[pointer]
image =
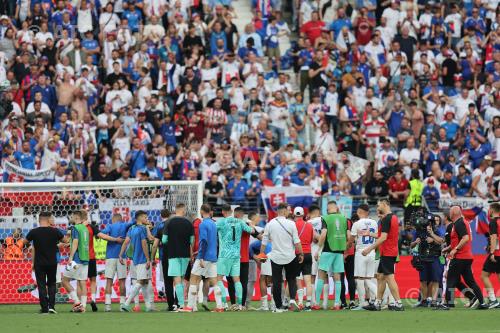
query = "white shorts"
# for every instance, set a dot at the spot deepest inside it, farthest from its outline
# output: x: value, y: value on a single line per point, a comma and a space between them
x: 314, y: 267
x: 133, y: 271
x: 113, y: 267
x: 265, y: 268
x: 252, y: 271
x: 364, y: 266
x: 142, y: 272
x: 209, y: 271
x: 79, y: 274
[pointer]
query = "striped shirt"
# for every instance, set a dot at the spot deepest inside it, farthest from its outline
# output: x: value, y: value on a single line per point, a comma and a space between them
x: 215, y: 120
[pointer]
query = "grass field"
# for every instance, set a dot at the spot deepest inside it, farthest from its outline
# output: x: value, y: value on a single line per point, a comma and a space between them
x: 23, y: 318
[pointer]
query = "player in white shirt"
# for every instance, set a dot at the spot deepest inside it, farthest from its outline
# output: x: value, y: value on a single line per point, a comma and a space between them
x: 314, y: 215
x: 365, y: 231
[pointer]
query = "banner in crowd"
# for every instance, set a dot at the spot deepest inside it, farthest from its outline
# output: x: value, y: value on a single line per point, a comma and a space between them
x: 293, y: 195
x: 16, y: 174
x: 127, y: 207
x: 17, y: 282
x: 464, y: 202
x: 343, y: 202
x: 357, y: 167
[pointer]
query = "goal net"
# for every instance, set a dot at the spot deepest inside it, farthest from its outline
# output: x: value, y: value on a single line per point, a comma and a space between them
x: 20, y: 204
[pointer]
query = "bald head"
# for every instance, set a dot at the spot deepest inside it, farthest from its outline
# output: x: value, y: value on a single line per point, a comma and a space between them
x: 455, y: 213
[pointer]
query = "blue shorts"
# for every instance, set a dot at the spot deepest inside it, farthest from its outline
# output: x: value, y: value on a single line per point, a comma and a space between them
x: 228, y: 266
x: 177, y: 266
x: 331, y: 262
x: 432, y: 271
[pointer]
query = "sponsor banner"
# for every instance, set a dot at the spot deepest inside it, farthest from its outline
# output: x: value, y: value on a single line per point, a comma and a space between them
x: 17, y: 282
x: 16, y: 174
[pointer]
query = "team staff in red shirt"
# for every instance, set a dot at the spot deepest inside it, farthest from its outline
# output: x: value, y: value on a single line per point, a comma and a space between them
x: 306, y: 235
x: 492, y: 263
x: 461, y: 258
x: 387, y: 243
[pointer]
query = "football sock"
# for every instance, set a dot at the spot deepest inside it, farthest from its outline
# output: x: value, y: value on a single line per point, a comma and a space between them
x: 491, y: 294
x: 218, y: 300
x: 326, y: 294
x: 179, y: 291
x: 360, y: 287
x: 84, y: 301
x: 338, y: 289
x: 107, y: 299
x: 74, y: 296
x: 133, y: 294
x: 238, y: 288
x: 192, y: 295
x: 319, y: 289
x: 222, y: 292
x: 371, y: 284
x: 300, y: 295
x: 122, y: 299
x: 264, y: 302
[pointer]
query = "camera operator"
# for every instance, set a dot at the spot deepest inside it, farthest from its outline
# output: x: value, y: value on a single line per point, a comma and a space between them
x: 428, y: 238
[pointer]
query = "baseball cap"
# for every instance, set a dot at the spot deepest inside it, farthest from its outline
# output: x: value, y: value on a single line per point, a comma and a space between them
x: 391, y: 158
x: 298, y: 211
x: 430, y: 181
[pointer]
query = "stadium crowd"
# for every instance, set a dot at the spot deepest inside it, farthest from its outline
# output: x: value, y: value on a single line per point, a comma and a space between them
x: 149, y: 90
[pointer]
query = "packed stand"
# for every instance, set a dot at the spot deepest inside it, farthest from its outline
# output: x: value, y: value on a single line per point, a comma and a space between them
x: 159, y: 90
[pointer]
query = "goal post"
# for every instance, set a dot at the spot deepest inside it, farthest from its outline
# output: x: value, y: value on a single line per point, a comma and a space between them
x: 20, y: 204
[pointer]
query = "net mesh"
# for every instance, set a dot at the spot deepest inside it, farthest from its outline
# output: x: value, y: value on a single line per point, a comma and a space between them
x: 21, y: 204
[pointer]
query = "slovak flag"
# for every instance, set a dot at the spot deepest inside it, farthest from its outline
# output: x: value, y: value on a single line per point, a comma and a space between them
x: 479, y: 215
x: 292, y: 195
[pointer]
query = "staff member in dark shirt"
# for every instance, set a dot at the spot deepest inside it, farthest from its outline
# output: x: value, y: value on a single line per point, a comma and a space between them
x: 387, y: 243
x: 492, y: 263
x: 461, y: 259
x: 178, y: 235
x: 45, y: 239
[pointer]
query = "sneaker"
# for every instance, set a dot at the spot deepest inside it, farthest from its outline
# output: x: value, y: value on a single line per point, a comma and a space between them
x: 491, y: 305
x: 263, y: 308
x: 352, y: 305
x: 75, y: 306
x: 218, y: 310
x: 357, y: 308
x: 136, y: 308
x: 421, y: 304
x: 483, y: 306
x: 391, y: 307
x: 441, y: 307
x: 93, y: 306
x: 336, y: 308
x: 205, y: 307
x: 172, y: 309
x: 52, y: 311
x: 80, y: 309
x: 372, y: 307
x: 315, y: 307
x: 294, y: 307
x: 307, y: 309
x: 301, y: 307
x: 278, y: 310
x: 344, y: 306
x: 125, y: 308
x: 107, y: 307
x: 398, y: 307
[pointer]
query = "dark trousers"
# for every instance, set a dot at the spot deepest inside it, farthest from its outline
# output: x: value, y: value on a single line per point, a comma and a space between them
x: 46, y: 282
x: 169, y: 284
x: 461, y: 268
x: 291, y: 278
x: 351, y: 283
x: 244, y: 283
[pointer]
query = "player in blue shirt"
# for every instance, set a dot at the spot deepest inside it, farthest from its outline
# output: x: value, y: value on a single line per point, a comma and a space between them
x: 117, y: 229
x: 138, y: 238
x: 265, y: 279
x: 206, y: 261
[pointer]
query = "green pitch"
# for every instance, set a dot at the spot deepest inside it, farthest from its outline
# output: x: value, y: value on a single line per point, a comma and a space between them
x: 23, y: 318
